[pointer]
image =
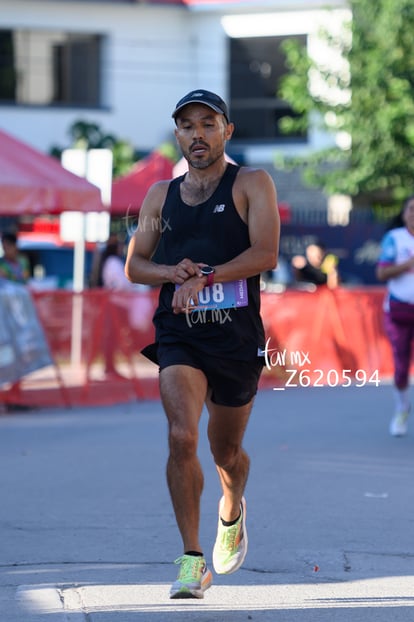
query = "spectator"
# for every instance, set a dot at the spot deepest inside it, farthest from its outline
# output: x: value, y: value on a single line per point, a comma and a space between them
x: 109, y: 273
x: 113, y: 266
x: 13, y: 265
x: 316, y: 266
x: 108, y: 266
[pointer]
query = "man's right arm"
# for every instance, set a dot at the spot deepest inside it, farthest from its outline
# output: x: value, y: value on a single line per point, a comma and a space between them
x: 139, y: 267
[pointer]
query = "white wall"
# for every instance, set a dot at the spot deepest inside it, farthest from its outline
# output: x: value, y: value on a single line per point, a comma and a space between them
x: 152, y: 57
x: 150, y: 62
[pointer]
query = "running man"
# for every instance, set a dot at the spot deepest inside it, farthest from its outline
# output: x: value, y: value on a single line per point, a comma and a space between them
x: 216, y: 229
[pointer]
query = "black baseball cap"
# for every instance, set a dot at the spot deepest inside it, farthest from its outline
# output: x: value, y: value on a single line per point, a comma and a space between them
x: 203, y: 97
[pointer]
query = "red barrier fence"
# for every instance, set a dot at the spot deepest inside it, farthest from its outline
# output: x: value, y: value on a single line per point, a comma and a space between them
x: 327, y: 335
x: 323, y: 337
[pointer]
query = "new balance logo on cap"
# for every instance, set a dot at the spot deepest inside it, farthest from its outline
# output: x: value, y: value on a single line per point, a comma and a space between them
x: 219, y: 208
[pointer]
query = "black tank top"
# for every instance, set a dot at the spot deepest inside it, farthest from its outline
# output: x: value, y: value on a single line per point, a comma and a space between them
x: 213, y: 233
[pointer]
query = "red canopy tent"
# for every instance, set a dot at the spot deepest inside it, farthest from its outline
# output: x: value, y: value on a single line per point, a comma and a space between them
x: 128, y: 192
x: 34, y: 183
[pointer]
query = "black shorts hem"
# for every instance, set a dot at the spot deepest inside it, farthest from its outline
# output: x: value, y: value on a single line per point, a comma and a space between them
x: 233, y: 383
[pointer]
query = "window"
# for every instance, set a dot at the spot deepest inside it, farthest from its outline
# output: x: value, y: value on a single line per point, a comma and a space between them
x: 49, y: 68
x: 256, y: 67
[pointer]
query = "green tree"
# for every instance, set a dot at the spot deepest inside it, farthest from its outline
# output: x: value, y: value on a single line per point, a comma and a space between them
x: 368, y: 97
x: 86, y: 135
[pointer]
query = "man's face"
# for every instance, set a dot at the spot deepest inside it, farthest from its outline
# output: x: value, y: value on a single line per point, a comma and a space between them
x: 201, y: 134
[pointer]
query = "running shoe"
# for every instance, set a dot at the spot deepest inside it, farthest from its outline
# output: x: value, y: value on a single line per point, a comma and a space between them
x: 398, y: 425
x: 231, y: 543
x: 193, y: 579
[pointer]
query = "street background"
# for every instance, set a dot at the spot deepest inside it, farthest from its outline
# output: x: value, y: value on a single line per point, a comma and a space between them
x: 88, y: 533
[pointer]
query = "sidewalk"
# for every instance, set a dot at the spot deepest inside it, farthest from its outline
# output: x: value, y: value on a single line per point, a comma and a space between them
x: 88, y: 534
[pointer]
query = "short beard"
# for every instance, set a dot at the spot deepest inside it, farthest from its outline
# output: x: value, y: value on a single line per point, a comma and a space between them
x: 203, y: 164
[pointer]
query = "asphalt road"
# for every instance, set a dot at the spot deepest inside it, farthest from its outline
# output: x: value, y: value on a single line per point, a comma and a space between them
x: 88, y: 535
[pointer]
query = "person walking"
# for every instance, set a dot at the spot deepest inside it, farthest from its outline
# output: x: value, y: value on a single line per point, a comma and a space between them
x: 396, y: 266
x: 217, y: 229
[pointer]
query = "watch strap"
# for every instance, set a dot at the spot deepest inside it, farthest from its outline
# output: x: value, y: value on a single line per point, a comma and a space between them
x: 210, y: 279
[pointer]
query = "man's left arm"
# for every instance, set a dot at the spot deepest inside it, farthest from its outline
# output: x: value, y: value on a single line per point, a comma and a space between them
x: 263, y: 221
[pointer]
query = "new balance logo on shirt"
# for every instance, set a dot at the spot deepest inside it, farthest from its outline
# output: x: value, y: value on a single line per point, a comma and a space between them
x: 219, y: 208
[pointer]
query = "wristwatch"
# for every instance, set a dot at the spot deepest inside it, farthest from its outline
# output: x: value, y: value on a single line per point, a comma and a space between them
x: 209, y: 272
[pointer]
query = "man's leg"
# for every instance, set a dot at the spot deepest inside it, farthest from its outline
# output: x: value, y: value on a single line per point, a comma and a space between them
x: 226, y: 430
x: 183, y: 391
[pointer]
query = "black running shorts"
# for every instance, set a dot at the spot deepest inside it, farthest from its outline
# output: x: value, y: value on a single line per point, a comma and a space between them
x: 232, y: 382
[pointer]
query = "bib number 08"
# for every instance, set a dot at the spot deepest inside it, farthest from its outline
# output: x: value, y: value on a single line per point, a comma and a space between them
x: 213, y: 293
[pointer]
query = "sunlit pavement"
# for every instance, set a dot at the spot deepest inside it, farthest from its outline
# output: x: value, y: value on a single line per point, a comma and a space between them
x: 88, y: 535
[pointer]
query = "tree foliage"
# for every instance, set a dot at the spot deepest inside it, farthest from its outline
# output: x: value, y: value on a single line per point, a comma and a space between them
x: 87, y: 135
x: 367, y: 97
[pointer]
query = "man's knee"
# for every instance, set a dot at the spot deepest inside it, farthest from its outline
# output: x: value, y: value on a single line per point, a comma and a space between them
x: 182, y: 442
x: 225, y: 456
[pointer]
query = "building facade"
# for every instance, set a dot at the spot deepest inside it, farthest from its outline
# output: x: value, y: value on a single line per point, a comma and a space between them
x: 124, y: 64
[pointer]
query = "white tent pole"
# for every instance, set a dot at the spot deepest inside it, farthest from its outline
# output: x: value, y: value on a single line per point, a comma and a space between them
x: 78, y: 287
x: 96, y: 166
x: 76, y: 160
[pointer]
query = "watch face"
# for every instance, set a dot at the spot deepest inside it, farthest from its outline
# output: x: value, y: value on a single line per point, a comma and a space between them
x: 207, y: 270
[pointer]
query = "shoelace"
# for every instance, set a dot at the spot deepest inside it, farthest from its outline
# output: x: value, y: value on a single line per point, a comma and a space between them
x: 190, y: 568
x: 229, y: 536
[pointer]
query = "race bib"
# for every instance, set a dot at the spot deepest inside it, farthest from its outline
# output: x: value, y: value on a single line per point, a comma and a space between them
x: 231, y: 295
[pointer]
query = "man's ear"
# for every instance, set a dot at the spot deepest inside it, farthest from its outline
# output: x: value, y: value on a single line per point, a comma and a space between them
x: 229, y: 130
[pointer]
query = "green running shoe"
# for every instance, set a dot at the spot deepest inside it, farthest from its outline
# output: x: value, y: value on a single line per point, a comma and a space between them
x: 193, y: 579
x: 231, y: 543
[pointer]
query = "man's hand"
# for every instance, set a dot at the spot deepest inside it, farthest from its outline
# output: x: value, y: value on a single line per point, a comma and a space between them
x: 184, y: 270
x: 185, y: 298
